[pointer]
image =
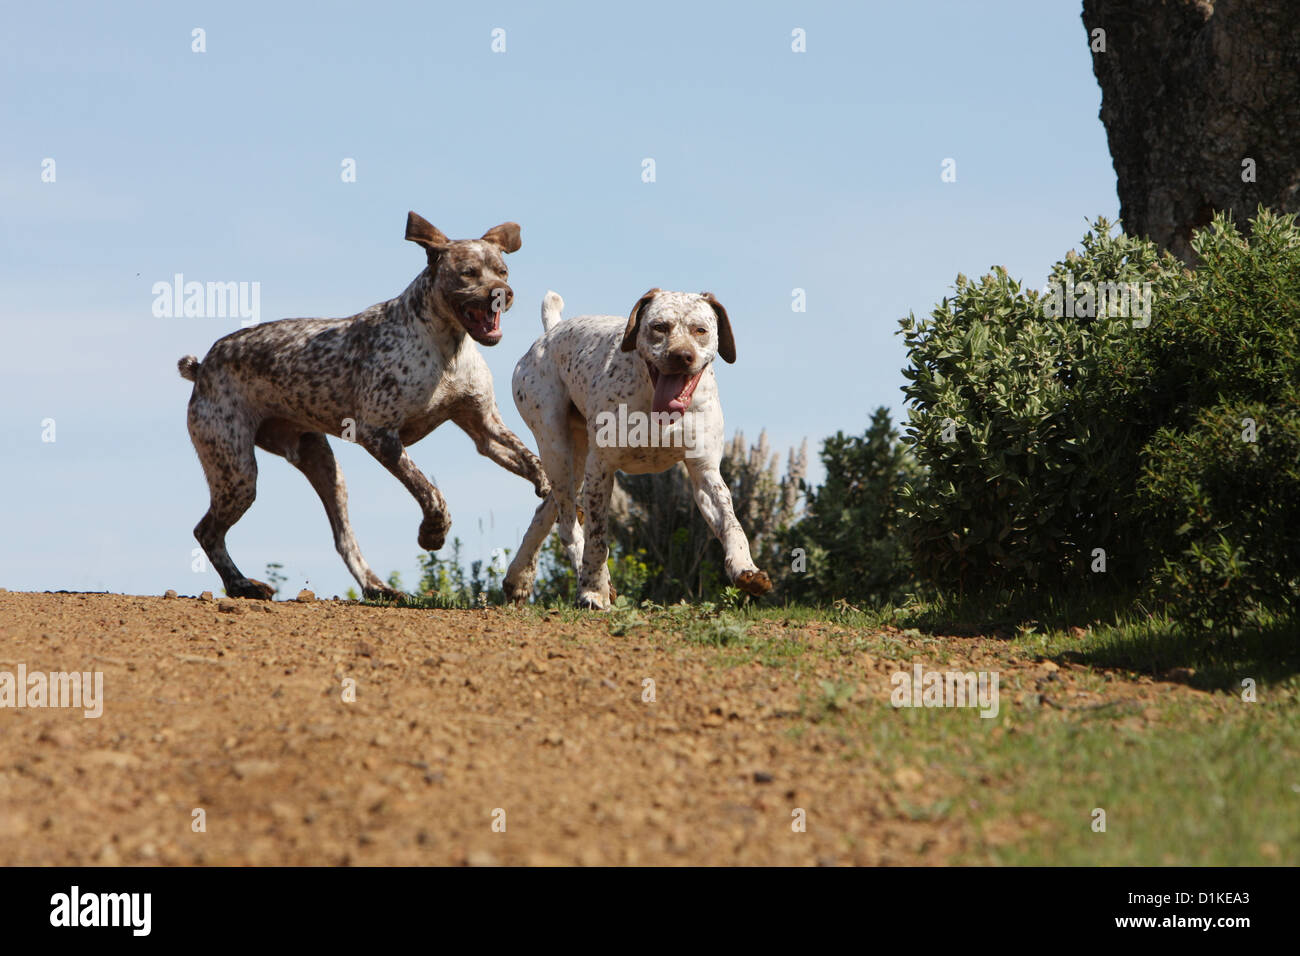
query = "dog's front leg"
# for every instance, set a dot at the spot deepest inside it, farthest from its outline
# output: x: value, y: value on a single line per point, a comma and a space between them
x: 387, y: 448
x: 713, y: 498
x: 593, y: 576
x: 495, y: 441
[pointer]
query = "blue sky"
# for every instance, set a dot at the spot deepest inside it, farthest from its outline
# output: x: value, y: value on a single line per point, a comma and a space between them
x: 775, y: 170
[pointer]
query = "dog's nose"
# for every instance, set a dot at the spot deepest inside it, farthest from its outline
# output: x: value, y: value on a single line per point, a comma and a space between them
x: 503, y: 296
x: 683, y: 357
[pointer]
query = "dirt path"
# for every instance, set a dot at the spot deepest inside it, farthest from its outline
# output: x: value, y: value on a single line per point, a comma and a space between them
x: 458, y: 715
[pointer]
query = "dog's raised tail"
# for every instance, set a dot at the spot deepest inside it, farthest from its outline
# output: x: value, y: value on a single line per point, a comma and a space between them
x: 189, y: 367
x: 552, y: 306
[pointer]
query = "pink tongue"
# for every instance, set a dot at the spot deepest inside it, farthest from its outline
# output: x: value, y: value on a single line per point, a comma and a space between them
x: 668, y: 392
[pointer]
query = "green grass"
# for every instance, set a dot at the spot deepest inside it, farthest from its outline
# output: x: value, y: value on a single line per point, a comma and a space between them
x: 1203, y: 781
x: 1198, y: 778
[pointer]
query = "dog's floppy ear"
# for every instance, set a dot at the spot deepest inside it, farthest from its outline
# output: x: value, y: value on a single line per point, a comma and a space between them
x: 419, y: 229
x: 506, y: 236
x: 726, y: 341
x: 634, y: 320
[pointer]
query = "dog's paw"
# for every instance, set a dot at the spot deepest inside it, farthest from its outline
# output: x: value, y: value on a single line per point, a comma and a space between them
x: 383, y: 592
x: 433, y: 532
x: 248, y: 588
x: 589, y: 602
x: 517, y: 593
x: 754, y: 582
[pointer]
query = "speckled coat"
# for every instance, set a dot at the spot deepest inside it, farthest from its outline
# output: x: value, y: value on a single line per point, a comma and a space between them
x: 657, y: 363
x: 383, y: 378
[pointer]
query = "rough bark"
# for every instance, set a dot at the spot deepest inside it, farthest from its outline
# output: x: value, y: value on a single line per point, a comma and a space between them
x: 1190, y: 90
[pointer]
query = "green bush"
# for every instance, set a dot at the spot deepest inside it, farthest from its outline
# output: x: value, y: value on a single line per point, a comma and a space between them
x: 1023, y: 481
x: 850, y: 537
x: 1230, y: 509
x: 1101, y: 430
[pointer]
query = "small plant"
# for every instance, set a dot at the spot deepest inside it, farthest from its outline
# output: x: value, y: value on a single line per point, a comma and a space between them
x: 275, y: 576
x: 849, y: 545
x: 722, y: 631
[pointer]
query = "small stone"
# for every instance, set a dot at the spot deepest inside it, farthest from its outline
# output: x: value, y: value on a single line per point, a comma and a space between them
x: 372, y: 796
x: 110, y: 758
x: 908, y: 777
x: 58, y: 737
x: 306, y: 596
x: 252, y: 769
x: 762, y: 776
x: 108, y: 855
x: 170, y: 593
x: 205, y: 596
x: 229, y: 607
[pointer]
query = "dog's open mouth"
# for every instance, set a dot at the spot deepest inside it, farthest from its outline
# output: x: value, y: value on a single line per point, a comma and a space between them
x: 482, y: 323
x: 672, y: 392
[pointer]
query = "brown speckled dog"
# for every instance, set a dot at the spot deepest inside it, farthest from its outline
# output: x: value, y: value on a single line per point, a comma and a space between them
x: 384, y: 378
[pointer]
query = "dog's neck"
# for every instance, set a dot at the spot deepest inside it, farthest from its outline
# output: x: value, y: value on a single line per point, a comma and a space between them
x: 420, y: 299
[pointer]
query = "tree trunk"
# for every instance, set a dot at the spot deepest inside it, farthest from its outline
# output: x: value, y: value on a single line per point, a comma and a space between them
x: 1192, y: 90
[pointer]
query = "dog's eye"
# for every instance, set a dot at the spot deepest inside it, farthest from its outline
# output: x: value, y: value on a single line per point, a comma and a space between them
x: 660, y: 327
x: 699, y: 330
x: 469, y: 271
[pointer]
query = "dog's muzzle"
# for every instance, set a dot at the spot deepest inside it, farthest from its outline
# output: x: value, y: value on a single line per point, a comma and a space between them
x: 481, y: 314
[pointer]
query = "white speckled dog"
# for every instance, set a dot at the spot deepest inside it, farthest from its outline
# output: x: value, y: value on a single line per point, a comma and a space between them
x: 653, y: 368
x: 384, y: 378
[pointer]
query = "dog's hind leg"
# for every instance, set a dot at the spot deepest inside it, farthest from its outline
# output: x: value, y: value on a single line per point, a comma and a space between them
x: 315, y: 459
x: 225, y: 448
x: 593, y: 573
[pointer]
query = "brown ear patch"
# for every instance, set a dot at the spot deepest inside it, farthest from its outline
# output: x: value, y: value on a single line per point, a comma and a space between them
x: 419, y: 229
x: 506, y: 236
x: 726, y: 341
x: 634, y: 320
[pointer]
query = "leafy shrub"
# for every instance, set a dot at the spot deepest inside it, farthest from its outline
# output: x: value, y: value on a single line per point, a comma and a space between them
x: 1022, y: 479
x: 1230, y: 508
x: 850, y: 533
x: 1101, y: 430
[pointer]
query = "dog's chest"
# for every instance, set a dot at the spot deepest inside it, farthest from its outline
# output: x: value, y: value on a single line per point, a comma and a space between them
x: 432, y: 389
